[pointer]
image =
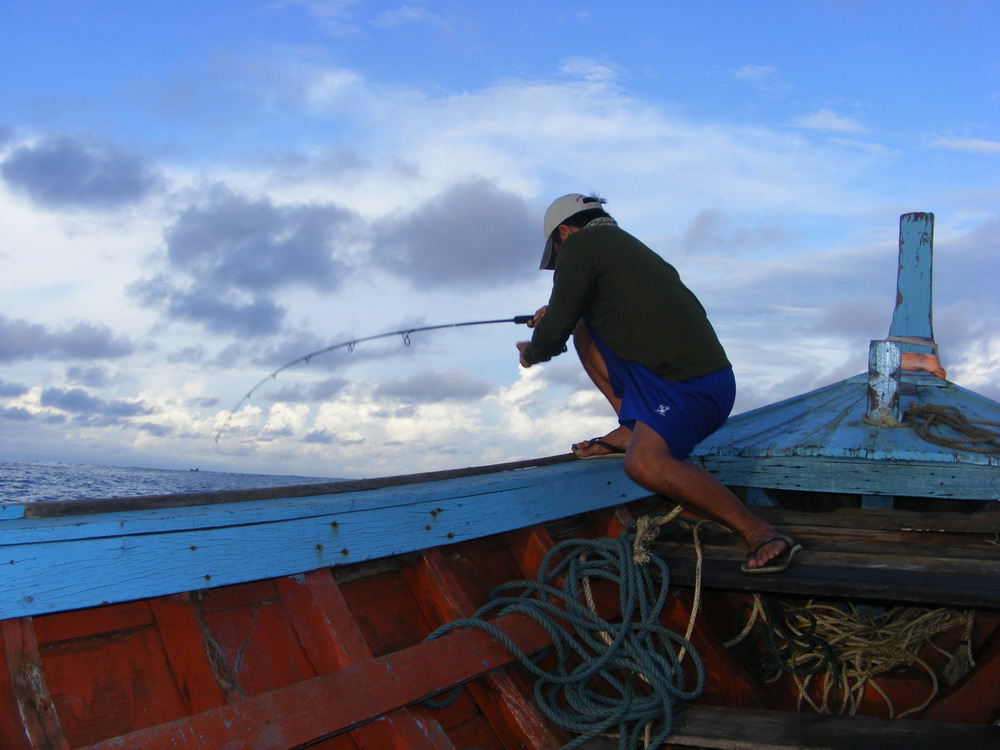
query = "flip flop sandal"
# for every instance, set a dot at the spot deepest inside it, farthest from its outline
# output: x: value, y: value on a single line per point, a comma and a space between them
x: 613, y: 450
x: 775, y: 564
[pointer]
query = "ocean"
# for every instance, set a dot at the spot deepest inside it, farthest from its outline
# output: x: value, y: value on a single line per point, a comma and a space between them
x: 38, y: 481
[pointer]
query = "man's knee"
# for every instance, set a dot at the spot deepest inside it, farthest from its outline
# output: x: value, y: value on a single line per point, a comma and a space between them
x: 647, y: 469
x: 648, y: 461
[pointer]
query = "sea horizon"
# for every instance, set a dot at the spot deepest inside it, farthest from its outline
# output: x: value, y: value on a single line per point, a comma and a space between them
x: 24, y: 481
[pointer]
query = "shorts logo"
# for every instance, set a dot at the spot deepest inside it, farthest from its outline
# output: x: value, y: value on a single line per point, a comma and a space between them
x: 662, y: 410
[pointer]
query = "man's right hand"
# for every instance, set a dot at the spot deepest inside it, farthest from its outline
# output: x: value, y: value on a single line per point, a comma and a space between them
x: 539, y: 314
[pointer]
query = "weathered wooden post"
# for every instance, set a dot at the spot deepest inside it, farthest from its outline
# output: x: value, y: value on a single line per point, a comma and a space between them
x: 884, y: 360
x: 912, y: 325
x: 910, y: 344
x: 913, y: 315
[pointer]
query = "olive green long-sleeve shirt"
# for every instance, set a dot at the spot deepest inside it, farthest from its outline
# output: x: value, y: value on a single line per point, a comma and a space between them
x: 633, y: 299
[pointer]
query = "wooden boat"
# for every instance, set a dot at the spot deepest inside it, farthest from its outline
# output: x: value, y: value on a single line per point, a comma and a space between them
x: 900, y: 435
x: 299, y: 616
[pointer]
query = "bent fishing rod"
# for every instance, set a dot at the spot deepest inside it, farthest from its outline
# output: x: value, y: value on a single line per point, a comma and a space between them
x: 349, y: 345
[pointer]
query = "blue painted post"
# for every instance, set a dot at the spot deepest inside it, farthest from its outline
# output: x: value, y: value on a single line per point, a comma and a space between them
x: 913, y: 316
x: 884, y: 362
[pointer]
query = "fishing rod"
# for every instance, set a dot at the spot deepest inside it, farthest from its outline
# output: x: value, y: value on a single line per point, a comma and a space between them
x: 349, y: 345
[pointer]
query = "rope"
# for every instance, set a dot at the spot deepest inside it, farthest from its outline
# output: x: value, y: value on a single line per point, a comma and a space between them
x: 648, y: 528
x: 964, y: 435
x: 847, y: 649
x: 622, y: 677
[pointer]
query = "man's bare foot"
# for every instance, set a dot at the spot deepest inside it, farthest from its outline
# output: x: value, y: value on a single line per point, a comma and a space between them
x: 612, y: 444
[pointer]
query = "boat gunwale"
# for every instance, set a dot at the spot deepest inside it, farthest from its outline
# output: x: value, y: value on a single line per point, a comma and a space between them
x: 58, y: 508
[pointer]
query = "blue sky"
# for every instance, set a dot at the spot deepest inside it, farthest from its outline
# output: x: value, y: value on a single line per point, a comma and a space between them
x: 195, y: 193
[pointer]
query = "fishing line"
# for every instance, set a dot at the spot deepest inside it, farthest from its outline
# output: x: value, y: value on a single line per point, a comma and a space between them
x: 349, y: 345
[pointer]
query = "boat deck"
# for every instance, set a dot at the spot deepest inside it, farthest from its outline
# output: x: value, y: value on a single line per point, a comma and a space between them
x: 334, y: 656
x: 944, y: 558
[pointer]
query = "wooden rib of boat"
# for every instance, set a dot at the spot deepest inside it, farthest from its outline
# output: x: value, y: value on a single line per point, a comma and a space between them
x: 299, y: 616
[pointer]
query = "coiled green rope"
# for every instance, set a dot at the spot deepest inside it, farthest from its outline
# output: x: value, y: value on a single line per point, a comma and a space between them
x: 623, y: 677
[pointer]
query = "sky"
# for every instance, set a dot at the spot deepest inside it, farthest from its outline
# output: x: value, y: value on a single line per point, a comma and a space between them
x: 193, y: 194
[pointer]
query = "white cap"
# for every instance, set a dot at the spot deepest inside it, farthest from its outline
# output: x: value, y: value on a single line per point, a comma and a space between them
x: 560, y: 210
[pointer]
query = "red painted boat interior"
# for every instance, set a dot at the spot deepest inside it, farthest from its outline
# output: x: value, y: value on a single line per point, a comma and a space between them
x: 336, y: 657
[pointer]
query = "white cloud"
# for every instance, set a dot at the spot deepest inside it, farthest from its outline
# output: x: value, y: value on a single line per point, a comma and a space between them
x: 589, y: 70
x: 755, y: 73
x: 776, y: 234
x: 827, y: 119
x: 336, y: 17
x: 970, y: 145
x: 409, y: 15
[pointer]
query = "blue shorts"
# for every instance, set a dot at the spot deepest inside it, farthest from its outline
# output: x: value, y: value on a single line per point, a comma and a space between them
x: 682, y: 412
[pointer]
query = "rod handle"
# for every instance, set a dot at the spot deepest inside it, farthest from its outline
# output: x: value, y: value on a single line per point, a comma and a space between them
x: 523, y: 319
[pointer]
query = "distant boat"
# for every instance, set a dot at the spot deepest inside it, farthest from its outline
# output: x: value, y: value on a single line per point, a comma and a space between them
x: 296, y: 616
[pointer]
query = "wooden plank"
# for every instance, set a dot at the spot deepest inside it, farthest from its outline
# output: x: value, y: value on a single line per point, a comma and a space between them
x: 13, y: 734
x: 256, y: 639
x: 110, y: 682
x: 69, y: 626
x: 612, y: 521
x: 332, y: 640
x: 892, y: 562
x: 158, y: 502
x: 926, y: 587
x: 913, y: 315
x: 759, y: 729
x: 582, y: 477
x: 303, y: 712
x: 412, y: 729
x: 36, y: 724
x: 326, y: 629
x: 183, y: 639
x: 512, y: 715
x: 117, y: 558
x: 985, y: 522
x: 839, y: 559
x: 904, y: 550
x: 529, y: 547
x: 873, y: 475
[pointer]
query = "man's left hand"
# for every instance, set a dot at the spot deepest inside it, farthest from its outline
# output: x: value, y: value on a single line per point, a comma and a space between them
x: 521, y: 346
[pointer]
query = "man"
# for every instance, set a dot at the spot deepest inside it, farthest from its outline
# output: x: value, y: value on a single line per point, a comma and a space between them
x: 645, y: 341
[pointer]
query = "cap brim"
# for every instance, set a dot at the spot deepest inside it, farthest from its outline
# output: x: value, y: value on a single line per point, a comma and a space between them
x: 548, y: 257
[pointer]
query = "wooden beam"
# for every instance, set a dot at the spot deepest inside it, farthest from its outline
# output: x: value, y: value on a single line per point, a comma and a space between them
x: 123, y: 556
x: 981, y: 522
x: 514, y: 718
x: 36, y: 725
x: 322, y: 620
x: 187, y: 652
x: 913, y: 315
x: 332, y: 640
x: 862, y: 554
x: 56, y: 508
x: 759, y: 729
x: 529, y: 547
x: 612, y: 521
x: 339, y: 701
x: 924, y: 586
